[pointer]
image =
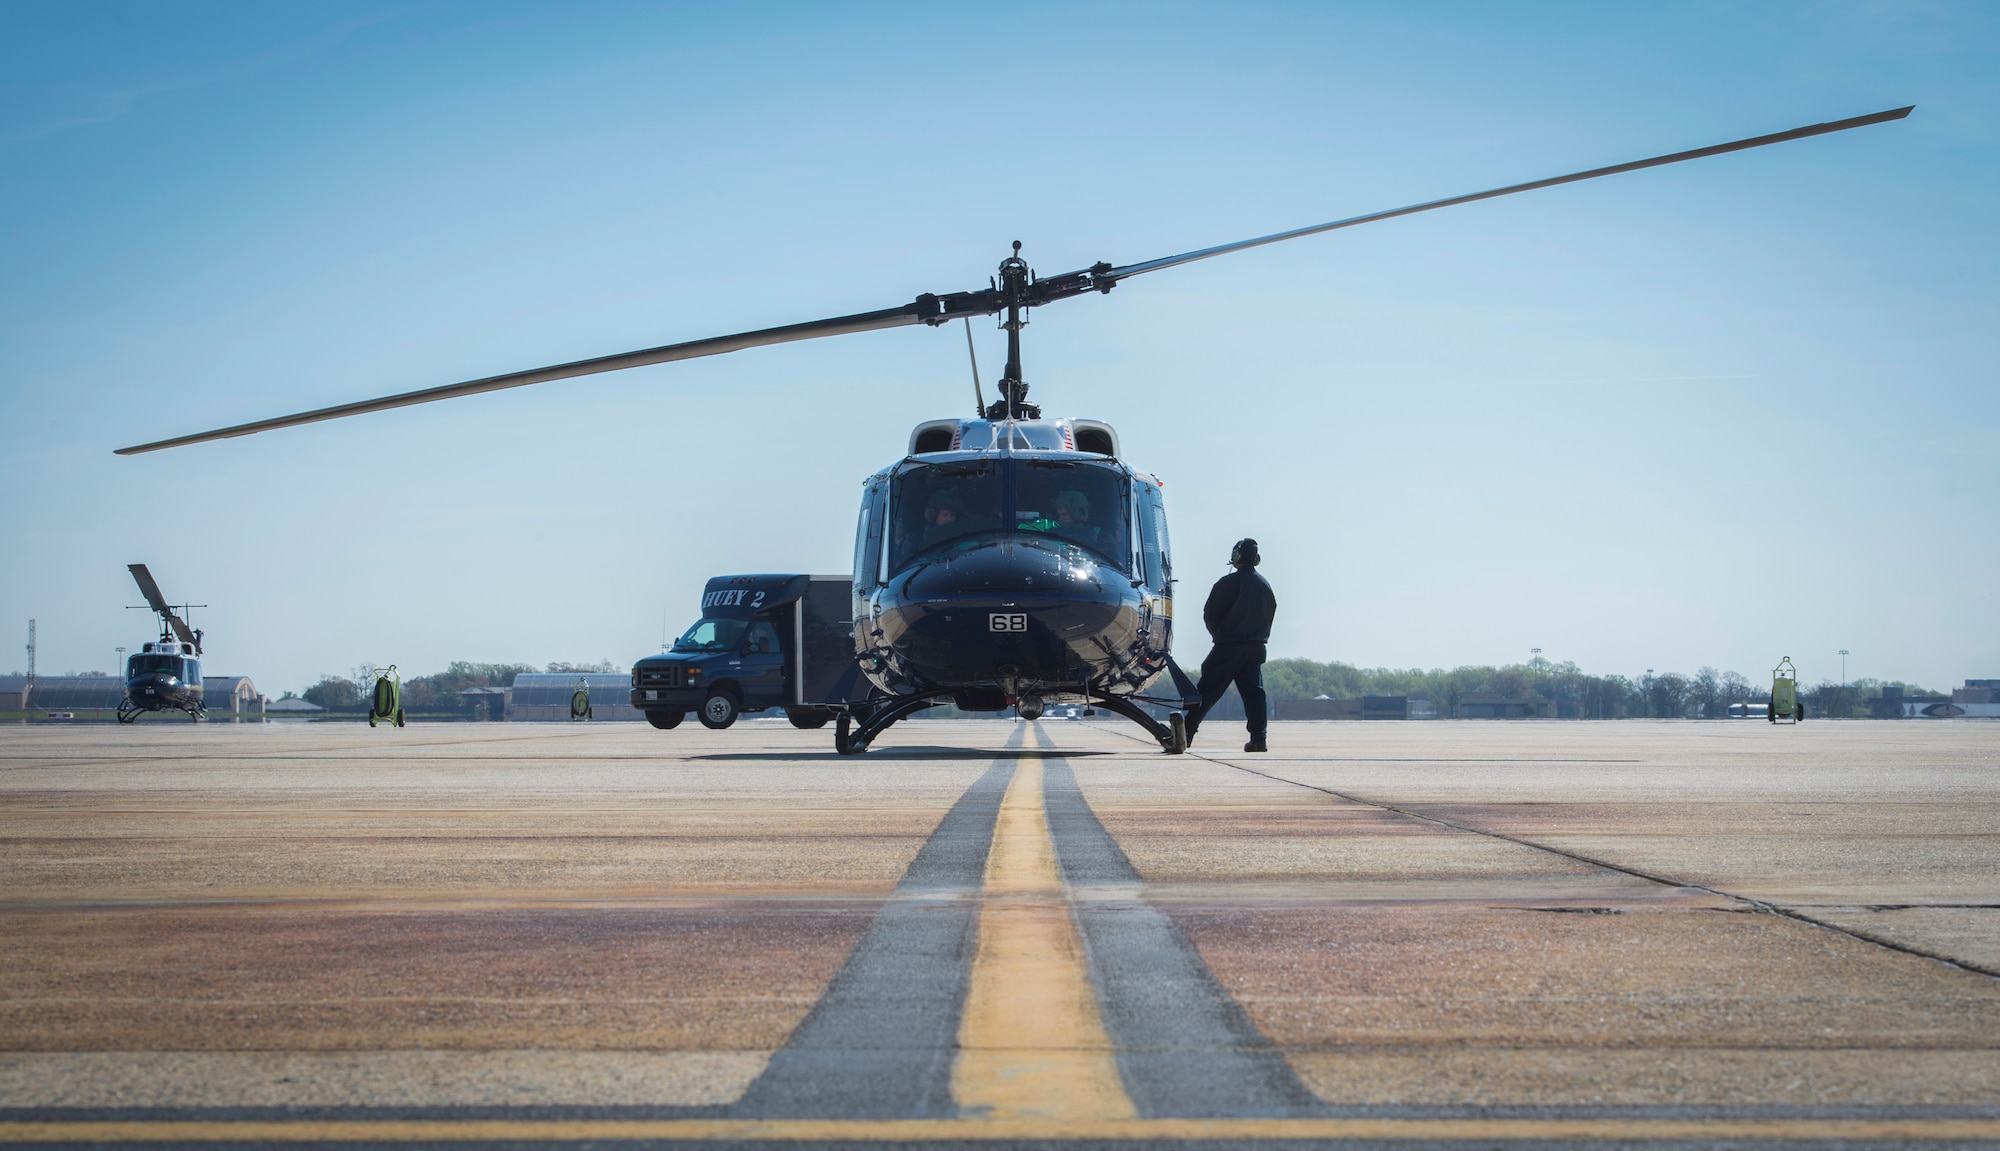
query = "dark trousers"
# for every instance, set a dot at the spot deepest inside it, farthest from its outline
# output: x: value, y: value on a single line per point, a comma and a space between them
x: 1243, y: 665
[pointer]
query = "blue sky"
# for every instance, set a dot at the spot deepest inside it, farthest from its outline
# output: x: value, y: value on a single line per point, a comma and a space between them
x: 1711, y: 414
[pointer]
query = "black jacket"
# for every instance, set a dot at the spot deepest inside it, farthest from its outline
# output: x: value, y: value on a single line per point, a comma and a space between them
x: 1240, y: 607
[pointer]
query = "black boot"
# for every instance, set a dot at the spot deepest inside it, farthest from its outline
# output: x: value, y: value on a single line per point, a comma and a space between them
x: 1256, y: 744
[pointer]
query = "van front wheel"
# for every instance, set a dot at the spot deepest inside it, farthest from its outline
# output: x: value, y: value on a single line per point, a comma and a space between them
x: 718, y: 710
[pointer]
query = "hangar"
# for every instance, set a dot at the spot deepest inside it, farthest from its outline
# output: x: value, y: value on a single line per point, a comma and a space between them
x: 98, y: 696
x: 544, y: 696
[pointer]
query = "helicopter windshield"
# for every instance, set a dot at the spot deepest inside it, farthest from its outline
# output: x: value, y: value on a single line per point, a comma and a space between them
x: 1077, y: 503
x: 711, y: 635
x: 1070, y: 501
x: 939, y: 504
x: 155, y: 665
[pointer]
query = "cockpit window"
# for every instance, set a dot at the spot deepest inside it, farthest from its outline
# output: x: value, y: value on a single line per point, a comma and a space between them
x: 711, y: 635
x: 155, y: 665
x: 937, y: 506
x: 940, y: 504
x: 1078, y: 503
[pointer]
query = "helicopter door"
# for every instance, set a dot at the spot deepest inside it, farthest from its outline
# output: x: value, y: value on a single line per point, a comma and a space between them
x: 1156, y: 554
x: 868, y: 541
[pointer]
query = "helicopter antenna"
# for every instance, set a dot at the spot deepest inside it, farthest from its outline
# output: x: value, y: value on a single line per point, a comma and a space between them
x: 1012, y: 294
x: 978, y: 396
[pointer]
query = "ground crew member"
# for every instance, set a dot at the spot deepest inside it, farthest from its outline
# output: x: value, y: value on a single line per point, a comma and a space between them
x: 1238, y: 615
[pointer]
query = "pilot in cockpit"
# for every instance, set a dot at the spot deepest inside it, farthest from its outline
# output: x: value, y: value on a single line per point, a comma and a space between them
x: 941, y: 515
x: 1072, y: 510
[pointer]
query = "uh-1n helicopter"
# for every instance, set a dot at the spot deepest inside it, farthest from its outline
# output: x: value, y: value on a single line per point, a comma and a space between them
x: 1006, y: 559
x: 165, y: 674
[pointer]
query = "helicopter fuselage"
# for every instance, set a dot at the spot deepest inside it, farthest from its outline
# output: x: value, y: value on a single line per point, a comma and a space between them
x: 1017, y: 576
x: 163, y: 676
x: 1009, y: 619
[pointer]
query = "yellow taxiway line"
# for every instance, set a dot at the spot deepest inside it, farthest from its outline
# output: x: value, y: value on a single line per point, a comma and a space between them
x: 919, y: 1130
x: 1031, y: 1044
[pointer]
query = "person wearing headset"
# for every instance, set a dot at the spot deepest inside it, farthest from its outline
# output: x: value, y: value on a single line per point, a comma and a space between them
x: 1239, y: 611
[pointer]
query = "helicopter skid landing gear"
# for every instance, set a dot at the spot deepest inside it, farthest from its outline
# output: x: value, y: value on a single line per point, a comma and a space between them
x: 1172, y: 735
x: 127, y: 712
x: 851, y: 740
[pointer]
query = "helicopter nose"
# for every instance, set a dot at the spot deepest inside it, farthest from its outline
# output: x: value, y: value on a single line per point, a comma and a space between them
x: 1017, y: 568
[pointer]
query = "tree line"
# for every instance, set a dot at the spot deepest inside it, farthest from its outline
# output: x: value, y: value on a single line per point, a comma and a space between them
x: 1706, y: 694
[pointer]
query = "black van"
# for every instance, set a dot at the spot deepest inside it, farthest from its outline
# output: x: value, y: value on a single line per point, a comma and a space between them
x: 762, y: 641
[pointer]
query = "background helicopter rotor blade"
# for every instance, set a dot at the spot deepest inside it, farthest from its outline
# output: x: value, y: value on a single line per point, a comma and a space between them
x: 1102, y: 280
x: 158, y: 602
x: 149, y: 589
x: 922, y: 310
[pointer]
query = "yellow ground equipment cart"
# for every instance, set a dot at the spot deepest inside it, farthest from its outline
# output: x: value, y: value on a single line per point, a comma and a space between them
x: 1785, y: 699
x: 579, y: 701
x: 386, y: 701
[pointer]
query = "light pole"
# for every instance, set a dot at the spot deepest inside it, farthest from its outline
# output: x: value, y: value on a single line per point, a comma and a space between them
x: 1843, y: 669
x: 120, y: 665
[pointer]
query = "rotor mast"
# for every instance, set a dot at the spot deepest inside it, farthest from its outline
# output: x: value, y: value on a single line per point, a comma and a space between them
x: 1013, y: 283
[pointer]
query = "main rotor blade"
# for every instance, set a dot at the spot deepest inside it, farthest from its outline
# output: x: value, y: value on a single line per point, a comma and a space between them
x: 149, y: 589
x: 181, y: 629
x: 934, y: 310
x: 1102, y: 281
x: 914, y: 313
x: 158, y: 602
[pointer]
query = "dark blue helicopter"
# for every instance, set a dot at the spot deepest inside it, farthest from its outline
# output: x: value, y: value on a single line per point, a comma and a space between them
x: 1006, y: 559
x: 1012, y: 561
x: 164, y: 675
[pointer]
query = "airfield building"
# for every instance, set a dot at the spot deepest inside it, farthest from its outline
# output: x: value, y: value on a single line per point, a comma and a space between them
x: 541, y: 696
x: 86, y: 696
x: 98, y: 696
x: 1497, y: 705
x: 233, y: 696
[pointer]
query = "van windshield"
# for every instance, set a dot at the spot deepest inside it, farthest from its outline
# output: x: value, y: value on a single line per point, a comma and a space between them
x: 711, y: 635
x: 935, y: 507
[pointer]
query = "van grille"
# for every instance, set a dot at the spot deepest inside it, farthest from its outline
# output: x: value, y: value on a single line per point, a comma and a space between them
x: 668, y: 676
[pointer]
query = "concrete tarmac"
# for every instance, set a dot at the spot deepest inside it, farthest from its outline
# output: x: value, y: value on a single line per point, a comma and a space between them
x: 1444, y: 933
